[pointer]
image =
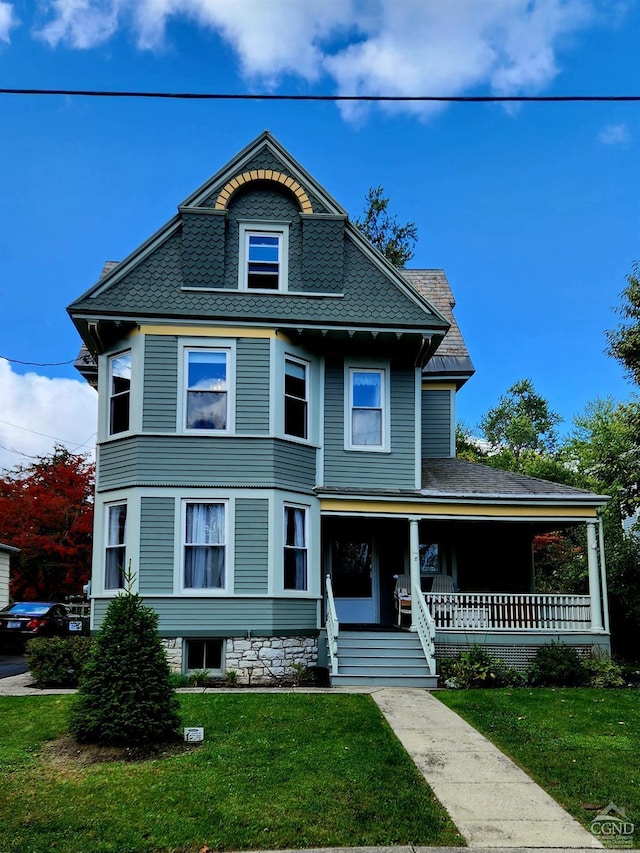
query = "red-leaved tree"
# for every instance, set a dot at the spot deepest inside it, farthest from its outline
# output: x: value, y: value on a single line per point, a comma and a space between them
x: 46, y: 510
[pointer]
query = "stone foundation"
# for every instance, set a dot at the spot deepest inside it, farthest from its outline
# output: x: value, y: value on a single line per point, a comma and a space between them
x: 259, y: 660
x: 265, y: 660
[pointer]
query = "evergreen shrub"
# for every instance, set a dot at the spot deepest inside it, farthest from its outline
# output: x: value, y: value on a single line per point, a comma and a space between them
x: 125, y: 695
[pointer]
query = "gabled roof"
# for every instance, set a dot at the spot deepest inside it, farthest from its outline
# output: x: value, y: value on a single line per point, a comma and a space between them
x: 149, y: 283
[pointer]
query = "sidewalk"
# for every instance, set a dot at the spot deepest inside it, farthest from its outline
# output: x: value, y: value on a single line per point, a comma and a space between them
x: 493, y: 803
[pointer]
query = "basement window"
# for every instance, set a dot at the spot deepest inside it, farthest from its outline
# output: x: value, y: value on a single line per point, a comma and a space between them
x: 204, y: 655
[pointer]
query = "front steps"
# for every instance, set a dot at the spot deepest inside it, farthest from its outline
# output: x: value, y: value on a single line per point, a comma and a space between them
x: 384, y: 659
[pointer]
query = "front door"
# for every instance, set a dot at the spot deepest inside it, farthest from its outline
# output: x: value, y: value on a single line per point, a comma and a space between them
x: 354, y: 579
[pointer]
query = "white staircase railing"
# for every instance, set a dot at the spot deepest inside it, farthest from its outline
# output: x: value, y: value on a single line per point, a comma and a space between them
x: 333, y: 627
x: 425, y: 627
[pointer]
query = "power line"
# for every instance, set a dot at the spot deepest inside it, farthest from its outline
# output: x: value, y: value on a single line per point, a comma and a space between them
x: 38, y: 363
x: 246, y: 96
x: 43, y: 434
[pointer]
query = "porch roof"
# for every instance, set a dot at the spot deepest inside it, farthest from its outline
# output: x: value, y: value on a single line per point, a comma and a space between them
x: 458, y: 478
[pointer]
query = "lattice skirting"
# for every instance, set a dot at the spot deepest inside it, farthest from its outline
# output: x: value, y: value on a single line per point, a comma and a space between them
x: 518, y: 657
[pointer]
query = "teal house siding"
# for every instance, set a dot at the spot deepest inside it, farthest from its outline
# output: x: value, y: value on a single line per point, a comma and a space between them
x: 358, y: 468
x: 227, y: 617
x: 187, y: 460
x: 252, y: 385
x: 436, y: 424
x: 252, y: 546
x: 157, y: 517
x: 160, y: 392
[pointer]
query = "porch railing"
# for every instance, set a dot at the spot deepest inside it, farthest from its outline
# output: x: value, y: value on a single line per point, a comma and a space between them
x: 426, y: 628
x: 333, y: 627
x: 509, y: 612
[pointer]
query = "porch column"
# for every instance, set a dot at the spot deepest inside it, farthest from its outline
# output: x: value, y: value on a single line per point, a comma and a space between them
x: 603, y: 576
x: 414, y: 567
x: 594, y: 578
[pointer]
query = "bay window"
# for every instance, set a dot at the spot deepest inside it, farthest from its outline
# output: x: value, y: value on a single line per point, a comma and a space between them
x: 115, y: 551
x: 207, y: 389
x: 204, y: 546
x: 295, y: 548
x: 119, y: 392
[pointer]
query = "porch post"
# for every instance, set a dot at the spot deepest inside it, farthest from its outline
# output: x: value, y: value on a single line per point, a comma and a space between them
x: 594, y: 578
x: 414, y: 565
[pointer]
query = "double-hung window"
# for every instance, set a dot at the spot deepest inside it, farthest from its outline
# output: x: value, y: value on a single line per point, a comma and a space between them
x: 295, y: 398
x: 207, y: 389
x: 295, y: 548
x: 366, y: 408
x: 119, y: 392
x: 205, y: 546
x: 263, y: 256
x: 116, y: 549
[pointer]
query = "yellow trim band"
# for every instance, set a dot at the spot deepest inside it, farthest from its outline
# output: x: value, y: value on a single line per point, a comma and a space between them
x: 462, y: 510
x: 209, y: 331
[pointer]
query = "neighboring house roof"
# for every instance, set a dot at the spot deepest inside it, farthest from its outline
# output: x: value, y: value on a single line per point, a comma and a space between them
x: 451, y: 359
x: 459, y: 478
x: 10, y: 548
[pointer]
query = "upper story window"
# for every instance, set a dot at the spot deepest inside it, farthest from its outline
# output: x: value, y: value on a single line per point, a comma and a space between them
x: 119, y: 392
x: 296, y: 390
x: 116, y: 549
x: 207, y: 389
x: 367, y: 416
x: 205, y: 546
x: 263, y: 253
x: 295, y: 548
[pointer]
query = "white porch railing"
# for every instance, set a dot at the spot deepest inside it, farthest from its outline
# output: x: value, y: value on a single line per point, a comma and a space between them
x: 509, y: 612
x: 333, y: 627
x: 426, y: 628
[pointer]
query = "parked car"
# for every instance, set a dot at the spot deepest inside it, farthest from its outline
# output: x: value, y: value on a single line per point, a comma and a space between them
x: 23, y: 620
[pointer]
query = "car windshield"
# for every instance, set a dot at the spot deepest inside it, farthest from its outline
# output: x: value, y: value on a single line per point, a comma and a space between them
x: 29, y: 608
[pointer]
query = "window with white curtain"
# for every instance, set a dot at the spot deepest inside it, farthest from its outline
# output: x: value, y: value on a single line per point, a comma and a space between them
x: 116, y: 548
x: 295, y: 548
x: 204, y: 546
x: 366, y: 408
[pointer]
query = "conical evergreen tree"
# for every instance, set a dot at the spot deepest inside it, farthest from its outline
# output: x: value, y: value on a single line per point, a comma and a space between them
x: 125, y: 695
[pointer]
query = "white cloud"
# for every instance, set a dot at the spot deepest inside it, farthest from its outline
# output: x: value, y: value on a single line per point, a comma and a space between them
x: 614, y: 134
x: 8, y: 20
x: 61, y: 409
x: 368, y: 47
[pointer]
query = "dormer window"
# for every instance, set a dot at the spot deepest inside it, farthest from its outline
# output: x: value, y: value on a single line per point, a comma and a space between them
x: 264, y: 257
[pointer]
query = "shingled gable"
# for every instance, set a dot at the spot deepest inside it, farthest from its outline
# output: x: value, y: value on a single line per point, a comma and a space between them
x: 170, y: 275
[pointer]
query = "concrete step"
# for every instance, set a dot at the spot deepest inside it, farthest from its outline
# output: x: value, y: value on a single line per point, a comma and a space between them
x: 429, y: 682
x: 380, y: 651
x: 364, y: 659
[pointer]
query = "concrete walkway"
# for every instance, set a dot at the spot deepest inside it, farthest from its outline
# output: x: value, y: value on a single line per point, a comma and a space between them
x: 493, y: 803
x: 491, y: 800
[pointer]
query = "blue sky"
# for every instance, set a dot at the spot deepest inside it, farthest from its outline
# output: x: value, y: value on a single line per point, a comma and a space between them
x: 533, y: 211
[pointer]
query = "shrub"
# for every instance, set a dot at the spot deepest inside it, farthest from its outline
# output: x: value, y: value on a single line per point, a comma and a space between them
x: 601, y: 670
x: 125, y: 695
x: 557, y: 665
x: 474, y: 668
x: 57, y: 661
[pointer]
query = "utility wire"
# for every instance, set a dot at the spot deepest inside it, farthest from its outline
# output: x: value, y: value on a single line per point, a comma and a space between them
x: 38, y: 363
x: 245, y: 96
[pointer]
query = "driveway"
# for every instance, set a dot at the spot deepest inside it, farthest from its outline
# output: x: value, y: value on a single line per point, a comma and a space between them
x: 11, y: 665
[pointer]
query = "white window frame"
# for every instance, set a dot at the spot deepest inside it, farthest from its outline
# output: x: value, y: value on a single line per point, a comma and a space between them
x: 111, y: 396
x: 305, y: 509
x: 212, y: 670
x: 307, y: 378
x: 188, y: 348
x: 383, y: 372
x: 211, y: 590
x: 109, y: 546
x: 268, y: 229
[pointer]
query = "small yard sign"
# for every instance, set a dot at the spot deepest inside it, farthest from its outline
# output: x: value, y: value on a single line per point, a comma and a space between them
x: 194, y: 735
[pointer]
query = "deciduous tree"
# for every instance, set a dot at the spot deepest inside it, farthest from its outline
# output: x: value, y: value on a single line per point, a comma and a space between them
x: 46, y: 510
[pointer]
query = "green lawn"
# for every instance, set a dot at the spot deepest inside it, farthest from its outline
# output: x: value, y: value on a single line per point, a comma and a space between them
x: 292, y: 770
x: 580, y: 745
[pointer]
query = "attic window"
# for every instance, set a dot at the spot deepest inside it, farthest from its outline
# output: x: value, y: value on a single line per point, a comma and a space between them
x: 265, y: 258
